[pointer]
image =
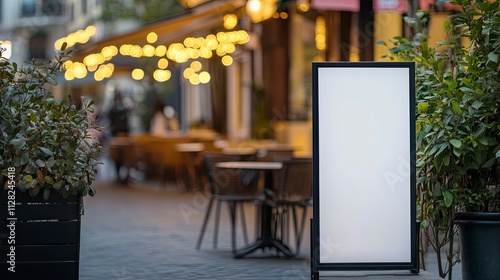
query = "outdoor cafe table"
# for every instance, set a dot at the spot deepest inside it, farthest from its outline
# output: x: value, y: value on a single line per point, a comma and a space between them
x: 266, y: 238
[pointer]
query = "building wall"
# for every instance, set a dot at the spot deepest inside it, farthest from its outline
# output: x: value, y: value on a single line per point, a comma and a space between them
x: 386, y: 26
x: 20, y: 30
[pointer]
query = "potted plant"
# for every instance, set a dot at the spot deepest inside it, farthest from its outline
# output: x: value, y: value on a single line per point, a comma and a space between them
x: 458, y: 135
x: 48, y: 160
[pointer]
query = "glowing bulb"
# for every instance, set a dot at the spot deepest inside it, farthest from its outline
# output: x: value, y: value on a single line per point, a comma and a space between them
x: 205, y: 52
x: 162, y: 75
x: 125, y: 49
x: 68, y: 64
x: 137, y: 74
x: 148, y: 50
x: 163, y: 63
x: 136, y: 51
x: 188, y: 72
x: 230, y: 21
x: 69, y: 75
x: 161, y: 50
x: 91, y: 68
x: 107, y: 52
x: 204, y: 77
x: 227, y: 60
x: 254, y: 5
x: 152, y: 37
x: 90, y: 30
x: 80, y: 36
x: 194, y: 79
x: 79, y: 70
x: 221, y: 37
x: 196, y: 65
x: 71, y: 40
x: 98, y: 76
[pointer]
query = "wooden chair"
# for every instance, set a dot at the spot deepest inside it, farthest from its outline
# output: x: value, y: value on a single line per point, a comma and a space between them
x: 231, y: 186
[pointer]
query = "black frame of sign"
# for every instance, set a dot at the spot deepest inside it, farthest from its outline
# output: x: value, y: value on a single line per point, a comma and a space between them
x: 316, y: 264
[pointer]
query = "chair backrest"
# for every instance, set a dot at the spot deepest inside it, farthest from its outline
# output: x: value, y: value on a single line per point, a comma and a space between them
x: 294, y: 181
x: 225, y: 181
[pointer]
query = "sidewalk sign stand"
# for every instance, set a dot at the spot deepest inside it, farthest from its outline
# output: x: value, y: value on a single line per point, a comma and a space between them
x: 364, y: 177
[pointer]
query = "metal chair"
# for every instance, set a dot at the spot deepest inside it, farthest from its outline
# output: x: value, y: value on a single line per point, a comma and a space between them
x: 293, y: 190
x: 235, y: 187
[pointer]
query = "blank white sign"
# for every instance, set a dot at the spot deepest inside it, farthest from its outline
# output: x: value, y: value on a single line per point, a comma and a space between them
x: 364, y: 164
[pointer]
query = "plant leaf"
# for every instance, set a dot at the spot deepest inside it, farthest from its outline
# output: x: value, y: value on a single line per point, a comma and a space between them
x: 446, y: 159
x: 18, y: 142
x: 46, y: 151
x: 456, y: 143
x: 489, y: 163
x: 448, y: 198
x: 493, y: 57
x: 477, y: 104
x: 424, y: 224
x: 25, y: 158
x: 467, y: 89
x: 28, y: 178
x: 33, y: 117
x: 483, y: 140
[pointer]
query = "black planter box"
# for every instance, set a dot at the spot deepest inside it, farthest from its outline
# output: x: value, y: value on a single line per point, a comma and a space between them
x: 46, y: 236
x: 480, y: 242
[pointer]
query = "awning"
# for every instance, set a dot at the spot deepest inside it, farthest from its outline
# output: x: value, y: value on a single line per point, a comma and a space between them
x: 336, y: 5
x: 204, y: 17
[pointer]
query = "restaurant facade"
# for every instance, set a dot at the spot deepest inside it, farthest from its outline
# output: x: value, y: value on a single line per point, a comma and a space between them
x: 215, y: 64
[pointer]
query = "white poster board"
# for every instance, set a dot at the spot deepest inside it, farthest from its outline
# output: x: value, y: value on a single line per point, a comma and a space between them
x: 364, y: 165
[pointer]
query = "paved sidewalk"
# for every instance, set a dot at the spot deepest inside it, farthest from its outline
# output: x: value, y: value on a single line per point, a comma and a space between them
x: 148, y: 232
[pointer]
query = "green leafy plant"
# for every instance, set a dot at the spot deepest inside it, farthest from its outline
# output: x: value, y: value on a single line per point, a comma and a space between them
x: 458, y: 120
x: 45, y: 144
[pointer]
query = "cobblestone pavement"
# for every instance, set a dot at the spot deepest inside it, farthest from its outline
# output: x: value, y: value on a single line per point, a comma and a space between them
x: 145, y: 231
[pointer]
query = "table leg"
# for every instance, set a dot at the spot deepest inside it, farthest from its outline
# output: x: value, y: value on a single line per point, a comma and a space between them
x: 266, y: 239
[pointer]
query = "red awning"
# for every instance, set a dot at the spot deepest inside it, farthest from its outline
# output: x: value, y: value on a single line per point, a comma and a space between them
x: 336, y: 5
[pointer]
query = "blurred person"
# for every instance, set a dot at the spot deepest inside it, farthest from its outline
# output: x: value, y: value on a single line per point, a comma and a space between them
x: 159, y: 122
x: 118, y: 118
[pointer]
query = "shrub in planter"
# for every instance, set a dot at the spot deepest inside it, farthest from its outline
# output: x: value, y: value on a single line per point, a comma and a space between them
x: 458, y: 120
x: 48, y: 155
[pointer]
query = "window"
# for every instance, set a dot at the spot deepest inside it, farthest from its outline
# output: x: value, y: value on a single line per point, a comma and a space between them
x: 84, y: 7
x: 32, y: 8
x: 28, y: 8
x: 52, y: 7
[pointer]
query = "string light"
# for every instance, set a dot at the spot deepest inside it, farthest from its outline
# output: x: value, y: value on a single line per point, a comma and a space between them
x: 191, y: 48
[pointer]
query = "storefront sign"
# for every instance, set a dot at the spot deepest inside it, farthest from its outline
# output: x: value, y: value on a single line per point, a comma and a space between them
x: 389, y: 5
x: 364, y: 215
